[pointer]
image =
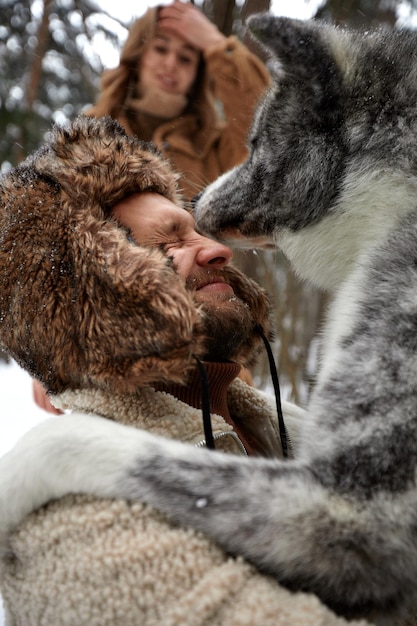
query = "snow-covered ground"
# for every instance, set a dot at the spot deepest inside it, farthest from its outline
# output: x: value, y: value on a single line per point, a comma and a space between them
x: 18, y: 412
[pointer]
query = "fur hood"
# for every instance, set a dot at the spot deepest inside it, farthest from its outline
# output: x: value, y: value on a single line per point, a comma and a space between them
x: 80, y: 304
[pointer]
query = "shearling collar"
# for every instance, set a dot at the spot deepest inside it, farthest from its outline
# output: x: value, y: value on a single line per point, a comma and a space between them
x: 155, y: 411
x: 162, y: 414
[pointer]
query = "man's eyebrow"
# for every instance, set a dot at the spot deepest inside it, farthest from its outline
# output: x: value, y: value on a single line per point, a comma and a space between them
x: 174, y: 226
x: 179, y: 223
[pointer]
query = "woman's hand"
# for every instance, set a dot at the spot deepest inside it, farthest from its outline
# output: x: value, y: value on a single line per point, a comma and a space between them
x: 186, y: 21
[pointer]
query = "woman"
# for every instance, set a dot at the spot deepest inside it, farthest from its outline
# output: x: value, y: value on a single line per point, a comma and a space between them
x: 176, y: 71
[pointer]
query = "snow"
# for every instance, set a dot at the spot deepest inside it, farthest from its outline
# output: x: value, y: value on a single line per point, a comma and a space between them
x: 18, y: 411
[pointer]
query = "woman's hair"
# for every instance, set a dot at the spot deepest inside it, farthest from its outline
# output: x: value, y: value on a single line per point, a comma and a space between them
x: 119, y: 83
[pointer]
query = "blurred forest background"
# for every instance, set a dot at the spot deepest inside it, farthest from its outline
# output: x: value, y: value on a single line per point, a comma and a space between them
x: 50, y: 63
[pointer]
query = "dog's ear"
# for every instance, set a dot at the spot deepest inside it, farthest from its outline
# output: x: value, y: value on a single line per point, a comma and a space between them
x: 299, y: 50
x: 298, y: 139
x: 304, y: 59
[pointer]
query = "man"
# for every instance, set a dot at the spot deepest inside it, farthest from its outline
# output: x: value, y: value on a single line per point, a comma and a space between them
x: 110, y: 298
x: 155, y: 221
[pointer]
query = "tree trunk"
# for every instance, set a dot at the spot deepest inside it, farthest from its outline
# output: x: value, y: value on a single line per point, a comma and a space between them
x: 359, y: 13
x: 38, y: 55
x: 34, y: 77
x: 221, y: 13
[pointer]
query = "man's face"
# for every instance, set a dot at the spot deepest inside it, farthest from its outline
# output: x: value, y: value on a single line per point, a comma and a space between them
x: 156, y: 222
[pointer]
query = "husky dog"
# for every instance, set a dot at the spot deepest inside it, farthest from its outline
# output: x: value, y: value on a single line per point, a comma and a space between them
x: 331, y: 180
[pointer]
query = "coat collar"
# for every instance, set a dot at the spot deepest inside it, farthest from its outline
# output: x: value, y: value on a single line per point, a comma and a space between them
x: 182, y: 134
x: 160, y: 413
x: 154, y: 411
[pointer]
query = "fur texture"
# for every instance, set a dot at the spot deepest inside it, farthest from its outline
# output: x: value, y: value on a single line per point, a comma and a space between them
x: 81, y: 305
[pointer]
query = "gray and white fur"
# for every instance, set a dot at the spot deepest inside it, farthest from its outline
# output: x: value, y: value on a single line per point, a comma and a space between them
x: 331, y: 180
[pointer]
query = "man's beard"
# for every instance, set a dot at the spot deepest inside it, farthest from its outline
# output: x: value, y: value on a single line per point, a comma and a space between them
x: 228, y: 323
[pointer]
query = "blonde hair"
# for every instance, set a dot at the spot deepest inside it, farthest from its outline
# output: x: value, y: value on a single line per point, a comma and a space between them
x: 119, y: 83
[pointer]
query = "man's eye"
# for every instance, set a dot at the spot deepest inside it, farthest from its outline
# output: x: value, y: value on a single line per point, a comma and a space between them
x: 168, y: 245
x: 131, y: 239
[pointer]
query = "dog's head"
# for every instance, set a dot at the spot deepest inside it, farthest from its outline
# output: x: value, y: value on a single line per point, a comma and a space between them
x: 81, y: 305
x: 325, y: 140
x: 296, y: 143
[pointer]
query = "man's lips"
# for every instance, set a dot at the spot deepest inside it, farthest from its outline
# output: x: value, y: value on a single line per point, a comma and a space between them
x: 218, y: 287
x: 216, y: 284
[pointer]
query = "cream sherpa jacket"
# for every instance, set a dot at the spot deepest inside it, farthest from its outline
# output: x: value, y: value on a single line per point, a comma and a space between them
x: 82, y: 561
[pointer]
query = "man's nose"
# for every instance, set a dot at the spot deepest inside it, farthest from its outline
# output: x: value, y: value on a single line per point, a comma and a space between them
x: 213, y: 254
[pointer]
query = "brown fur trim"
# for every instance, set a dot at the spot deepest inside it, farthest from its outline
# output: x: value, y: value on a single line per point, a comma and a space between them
x: 79, y: 304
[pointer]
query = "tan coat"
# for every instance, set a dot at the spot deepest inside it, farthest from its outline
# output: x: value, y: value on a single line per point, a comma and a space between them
x: 81, y: 561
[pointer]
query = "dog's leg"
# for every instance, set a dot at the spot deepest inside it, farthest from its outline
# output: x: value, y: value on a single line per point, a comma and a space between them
x: 66, y: 454
x: 355, y: 554
x: 81, y: 454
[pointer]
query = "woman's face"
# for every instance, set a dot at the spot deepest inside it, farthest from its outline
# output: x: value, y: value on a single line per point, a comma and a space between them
x: 168, y: 64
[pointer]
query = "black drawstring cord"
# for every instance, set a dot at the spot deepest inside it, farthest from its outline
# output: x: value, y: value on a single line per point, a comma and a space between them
x: 205, y: 405
x: 274, y: 375
x: 205, y: 399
